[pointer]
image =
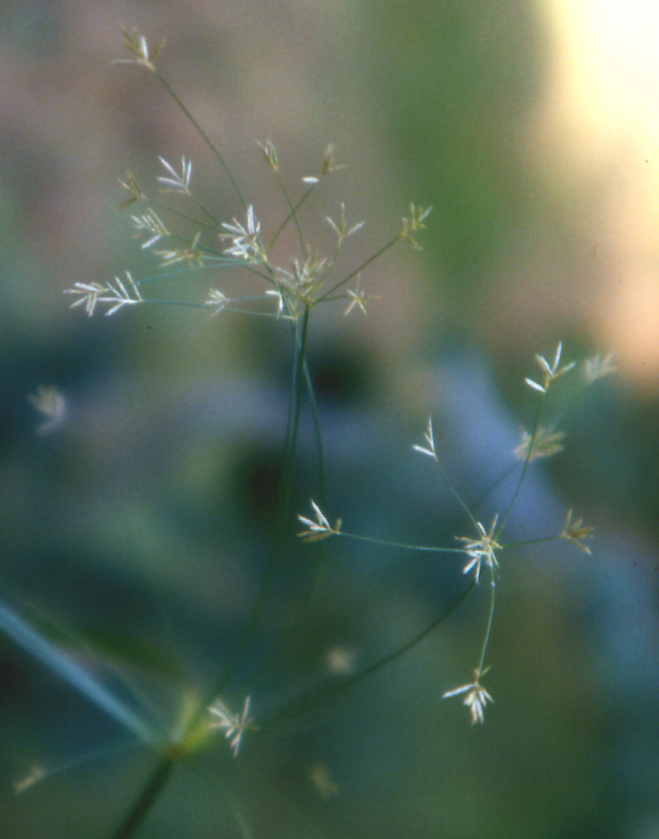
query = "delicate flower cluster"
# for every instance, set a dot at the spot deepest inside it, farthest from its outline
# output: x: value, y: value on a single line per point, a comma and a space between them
x: 550, y: 372
x: 50, y: 402
x: 233, y: 725
x: 294, y: 289
x: 598, y: 367
x: 546, y: 442
x: 175, y: 182
x: 151, y: 227
x: 320, y: 528
x: 290, y: 290
x: 429, y: 448
x: 481, y: 550
x: 138, y: 46
x: 121, y: 293
x: 414, y: 223
x: 245, y: 239
x: 476, y: 697
x: 575, y: 532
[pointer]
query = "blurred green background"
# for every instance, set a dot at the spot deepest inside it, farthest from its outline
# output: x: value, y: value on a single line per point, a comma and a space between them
x: 140, y: 526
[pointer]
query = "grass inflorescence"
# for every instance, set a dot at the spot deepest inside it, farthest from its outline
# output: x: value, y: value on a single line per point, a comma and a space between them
x: 173, y: 223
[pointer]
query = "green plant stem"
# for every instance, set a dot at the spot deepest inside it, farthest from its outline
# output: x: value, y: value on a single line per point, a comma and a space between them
x: 490, y: 619
x: 147, y: 798
x: 291, y: 214
x: 170, y: 90
x: 518, y: 488
x: 316, y: 700
x: 315, y: 418
x: 388, y: 544
x: 283, y: 511
x: 354, y: 273
x: 293, y: 429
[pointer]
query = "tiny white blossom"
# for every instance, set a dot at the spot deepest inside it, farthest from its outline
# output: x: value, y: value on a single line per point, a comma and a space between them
x: 192, y: 255
x: 136, y: 43
x: 476, y: 696
x: 550, y: 372
x: 151, y: 225
x: 575, y: 532
x: 233, y: 725
x: 480, y: 550
x: 50, y: 402
x: 414, y: 223
x: 36, y: 773
x: 131, y: 186
x: 176, y: 182
x: 546, y: 442
x: 318, y: 529
x: 117, y: 295
x: 430, y: 448
x: 340, y: 227
x: 359, y: 298
x: 598, y: 367
x: 89, y: 295
x: 245, y: 239
x: 217, y: 300
x: 269, y: 152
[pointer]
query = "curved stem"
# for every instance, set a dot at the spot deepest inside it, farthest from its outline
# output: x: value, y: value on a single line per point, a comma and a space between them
x: 366, y: 262
x: 292, y: 212
x: 305, y: 705
x: 170, y: 90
